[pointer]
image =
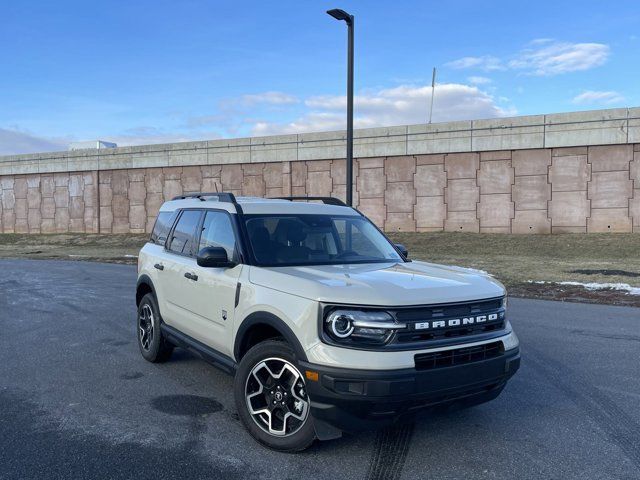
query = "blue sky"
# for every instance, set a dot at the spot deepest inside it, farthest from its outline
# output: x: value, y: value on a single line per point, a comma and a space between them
x: 138, y: 72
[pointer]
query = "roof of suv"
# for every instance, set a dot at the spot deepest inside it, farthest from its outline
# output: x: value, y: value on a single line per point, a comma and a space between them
x: 259, y: 205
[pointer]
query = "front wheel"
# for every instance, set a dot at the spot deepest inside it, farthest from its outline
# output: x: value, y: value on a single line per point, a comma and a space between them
x: 271, y: 398
x: 154, y: 347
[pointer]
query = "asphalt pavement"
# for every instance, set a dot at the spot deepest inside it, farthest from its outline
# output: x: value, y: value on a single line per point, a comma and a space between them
x: 78, y: 401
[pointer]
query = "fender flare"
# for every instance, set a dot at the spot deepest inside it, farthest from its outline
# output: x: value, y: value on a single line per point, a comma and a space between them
x: 146, y: 280
x: 266, y: 318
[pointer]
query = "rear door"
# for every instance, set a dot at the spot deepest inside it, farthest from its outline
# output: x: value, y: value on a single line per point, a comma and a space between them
x: 179, y: 258
x: 212, y: 296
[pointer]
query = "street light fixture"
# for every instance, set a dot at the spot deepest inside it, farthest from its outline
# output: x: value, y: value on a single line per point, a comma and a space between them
x: 349, y: 19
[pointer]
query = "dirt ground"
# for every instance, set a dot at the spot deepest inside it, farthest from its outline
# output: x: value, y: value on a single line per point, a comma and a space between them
x: 516, y: 260
x: 73, y: 246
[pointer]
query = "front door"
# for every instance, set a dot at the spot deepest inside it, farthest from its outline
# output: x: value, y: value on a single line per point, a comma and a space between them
x: 212, y: 296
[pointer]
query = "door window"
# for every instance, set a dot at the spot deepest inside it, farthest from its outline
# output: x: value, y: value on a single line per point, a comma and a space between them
x: 184, y: 233
x: 217, y: 231
x: 161, y: 227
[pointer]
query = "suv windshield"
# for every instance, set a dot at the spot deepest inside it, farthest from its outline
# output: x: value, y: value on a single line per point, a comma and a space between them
x: 286, y: 240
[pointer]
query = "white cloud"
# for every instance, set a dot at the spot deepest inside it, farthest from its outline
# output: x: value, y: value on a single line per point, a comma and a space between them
x: 591, y: 97
x: 543, y: 57
x: 477, y: 80
x: 270, y: 98
x: 486, y: 62
x: 13, y: 141
x: 554, y: 58
x: 405, y: 104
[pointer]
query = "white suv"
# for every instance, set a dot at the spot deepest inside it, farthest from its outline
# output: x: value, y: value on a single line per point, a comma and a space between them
x: 326, y: 324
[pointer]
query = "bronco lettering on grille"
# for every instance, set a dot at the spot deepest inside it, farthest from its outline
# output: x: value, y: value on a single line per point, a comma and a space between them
x: 456, y: 322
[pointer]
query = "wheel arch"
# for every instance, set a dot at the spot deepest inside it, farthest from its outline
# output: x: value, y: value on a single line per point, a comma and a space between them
x: 144, y: 285
x: 260, y: 323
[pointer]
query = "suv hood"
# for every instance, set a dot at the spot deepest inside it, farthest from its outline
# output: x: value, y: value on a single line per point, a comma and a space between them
x: 383, y: 284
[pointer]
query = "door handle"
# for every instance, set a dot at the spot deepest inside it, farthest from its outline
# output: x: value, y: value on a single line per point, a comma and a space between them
x: 159, y: 266
x: 191, y: 276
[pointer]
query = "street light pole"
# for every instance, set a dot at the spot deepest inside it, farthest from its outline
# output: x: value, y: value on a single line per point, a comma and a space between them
x: 349, y: 19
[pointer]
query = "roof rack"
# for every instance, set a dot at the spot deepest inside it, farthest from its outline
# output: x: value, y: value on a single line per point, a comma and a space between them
x: 202, y: 196
x: 325, y: 200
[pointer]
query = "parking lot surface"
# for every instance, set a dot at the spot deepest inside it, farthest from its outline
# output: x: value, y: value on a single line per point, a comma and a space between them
x: 78, y: 401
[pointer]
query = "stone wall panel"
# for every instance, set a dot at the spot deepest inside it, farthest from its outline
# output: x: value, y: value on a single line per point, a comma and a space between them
x: 399, y: 222
x: 399, y: 197
x: 615, y: 220
x: 610, y: 189
x: 374, y: 208
x: 531, y: 221
x: 461, y: 165
x: 495, y: 210
x: 569, y: 209
x: 608, y: 158
x: 462, y: 222
x: 400, y: 169
x: 634, y: 208
x: 430, y: 180
x: 531, y: 192
x: 531, y: 162
x: 462, y: 195
x: 569, y: 173
x: 495, y: 177
x: 371, y: 182
x: 430, y: 213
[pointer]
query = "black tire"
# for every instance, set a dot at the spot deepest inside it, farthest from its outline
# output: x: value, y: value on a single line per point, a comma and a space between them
x: 280, y: 358
x: 154, y: 347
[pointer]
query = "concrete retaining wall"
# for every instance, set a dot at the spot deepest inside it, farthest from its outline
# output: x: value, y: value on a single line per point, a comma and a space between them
x: 577, y: 172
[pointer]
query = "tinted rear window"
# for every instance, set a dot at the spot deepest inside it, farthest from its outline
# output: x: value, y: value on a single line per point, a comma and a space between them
x: 184, y: 233
x: 161, y: 227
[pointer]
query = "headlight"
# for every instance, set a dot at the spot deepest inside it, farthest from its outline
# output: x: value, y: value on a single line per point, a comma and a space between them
x: 358, y: 327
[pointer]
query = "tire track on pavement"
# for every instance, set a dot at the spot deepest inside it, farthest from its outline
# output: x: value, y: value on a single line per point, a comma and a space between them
x: 621, y: 428
x: 390, y: 452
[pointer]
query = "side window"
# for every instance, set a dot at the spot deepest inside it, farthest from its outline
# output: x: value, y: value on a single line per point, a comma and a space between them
x: 161, y: 227
x: 217, y: 231
x: 184, y: 233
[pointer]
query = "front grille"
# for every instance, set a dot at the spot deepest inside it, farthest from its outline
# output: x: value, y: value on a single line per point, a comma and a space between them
x: 458, y: 356
x: 419, y: 314
x: 416, y: 315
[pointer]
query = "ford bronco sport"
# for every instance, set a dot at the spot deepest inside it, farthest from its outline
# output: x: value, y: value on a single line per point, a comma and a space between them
x: 326, y: 324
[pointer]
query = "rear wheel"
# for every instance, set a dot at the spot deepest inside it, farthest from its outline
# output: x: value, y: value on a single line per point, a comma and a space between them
x: 154, y: 347
x: 271, y: 397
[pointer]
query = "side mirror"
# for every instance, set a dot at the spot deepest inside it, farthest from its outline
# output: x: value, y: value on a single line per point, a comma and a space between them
x: 214, y: 257
x: 403, y: 250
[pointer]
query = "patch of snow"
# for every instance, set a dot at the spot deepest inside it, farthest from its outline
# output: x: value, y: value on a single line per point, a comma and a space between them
x: 131, y: 256
x: 623, y: 287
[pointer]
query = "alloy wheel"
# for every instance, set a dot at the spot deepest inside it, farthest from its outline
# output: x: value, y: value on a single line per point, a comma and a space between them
x: 276, y: 397
x: 145, y: 326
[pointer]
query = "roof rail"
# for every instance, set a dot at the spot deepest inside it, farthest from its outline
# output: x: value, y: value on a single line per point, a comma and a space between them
x: 202, y: 196
x: 325, y: 200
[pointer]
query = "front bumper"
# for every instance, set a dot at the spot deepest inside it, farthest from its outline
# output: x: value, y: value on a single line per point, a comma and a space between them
x: 353, y: 400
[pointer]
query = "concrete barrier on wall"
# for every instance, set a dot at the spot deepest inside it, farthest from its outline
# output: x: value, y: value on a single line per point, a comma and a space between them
x: 577, y: 172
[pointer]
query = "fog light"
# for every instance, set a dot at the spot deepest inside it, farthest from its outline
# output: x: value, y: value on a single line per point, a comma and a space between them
x: 510, y: 341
